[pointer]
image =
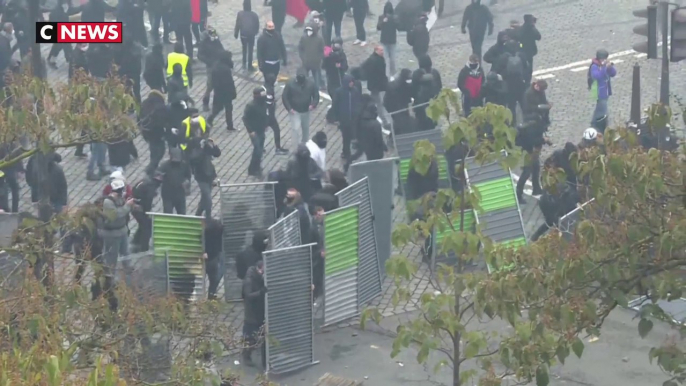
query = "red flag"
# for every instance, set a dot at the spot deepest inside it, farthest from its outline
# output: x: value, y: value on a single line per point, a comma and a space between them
x: 297, y: 8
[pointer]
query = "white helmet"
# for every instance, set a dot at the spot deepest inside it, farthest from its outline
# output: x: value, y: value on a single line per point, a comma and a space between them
x: 590, y: 134
x: 117, y: 175
x: 117, y: 184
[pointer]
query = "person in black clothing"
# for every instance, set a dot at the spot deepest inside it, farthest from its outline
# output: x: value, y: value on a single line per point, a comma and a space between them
x: 333, y: 13
x: 560, y: 160
x: 205, y: 174
x: 158, y: 13
x: 512, y: 66
x: 555, y: 203
x: 369, y: 134
x: 180, y: 15
x: 511, y: 33
x: 477, y: 17
x: 176, y: 176
x: 495, y: 89
x: 388, y: 25
x: 495, y: 51
x: 271, y: 51
x: 278, y: 14
x: 528, y: 36
x: 397, y: 99
x: 418, y: 38
x: 153, y: 115
x: 78, y: 60
x: 318, y: 253
x: 360, y: 9
x: 426, y: 67
x: 129, y: 61
x: 132, y: 15
x: 346, y: 106
x: 224, y: 90
x: 256, y: 120
x: 209, y: 51
x: 176, y: 89
x: 374, y: 70
x: 94, y: 11
x: 154, y: 72
x: 420, y: 184
x: 470, y: 82
x: 60, y: 13
x: 214, y: 261
x: 247, y: 27
x: 100, y: 59
x: 335, y: 65
x: 271, y: 111
x: 425, y: 92
x: 59, y: 193
x: 144, y: 192
x: 303, y: 173
x: 4, y: 202
x: 12, y: 172
x: 295, y: 203
x: 531, y: 137
x: 120, y: 152
x: 253, y: 317
x: 252, y: 253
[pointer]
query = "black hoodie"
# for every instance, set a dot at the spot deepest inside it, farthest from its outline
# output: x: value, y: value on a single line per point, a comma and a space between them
x: 270, y: 48
x: 369, y: 133
x: 334, y: 75
x: 388, y: 25
x: 252, y: 253
x: 153, y: 116
x: 477, y: 17
x: 426, y: 67
x: 175, y: 172
x: 374, y: 71
x: 419, y: 37
x: 154, y: 72
x: 399, y: 94
x: 214, y: 231
x: 222, y: 78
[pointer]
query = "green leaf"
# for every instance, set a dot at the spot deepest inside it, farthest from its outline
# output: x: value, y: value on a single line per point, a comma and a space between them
x: 542, y: 378
x: 644, y: 327
x: 505, y: 356
x: 562, y: 353
x: 619, y: 297
x: 471, y: 350
x: 578, y: 347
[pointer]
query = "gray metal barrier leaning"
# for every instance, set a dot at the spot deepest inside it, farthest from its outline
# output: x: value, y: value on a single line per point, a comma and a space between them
x: 289, y: 310
x: 146, y: 274
x: 286, y: 232
x: 567, y: 224
x: 341, y: 244
x: 9, y: 222
x: 381, y: 175
x: 245, y: 208
x: 368, y: 275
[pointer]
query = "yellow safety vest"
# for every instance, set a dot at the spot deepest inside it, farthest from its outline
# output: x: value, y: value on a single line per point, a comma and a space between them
x: 187, y: 122
x: 176, y: 58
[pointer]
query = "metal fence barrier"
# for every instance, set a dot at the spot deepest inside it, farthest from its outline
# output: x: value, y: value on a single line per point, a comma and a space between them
x: 368, y: 275
x: 286, y: 232
x: 380, y: 175
x: 181, y: 240
x: 245, y: 208
x: 9, y: 222
x: 146, y: 274
x: 341, y: 243
x: 289, y: 309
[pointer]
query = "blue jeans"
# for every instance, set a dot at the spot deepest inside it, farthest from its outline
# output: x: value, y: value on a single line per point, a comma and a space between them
x: 98, y: 154
x: 600, y: 110
x: 389, y: 52
x: 316, y: 76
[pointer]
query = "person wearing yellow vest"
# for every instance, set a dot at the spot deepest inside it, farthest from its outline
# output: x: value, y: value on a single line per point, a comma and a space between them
x: 194, y: 128
x: 179, y: 57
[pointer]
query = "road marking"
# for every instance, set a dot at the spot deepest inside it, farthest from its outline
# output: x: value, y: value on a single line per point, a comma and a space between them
x: 579, y: 63
x: 640, y: 56
x: 579, y: 69
x: 545, y: 76
x: 617, y: 61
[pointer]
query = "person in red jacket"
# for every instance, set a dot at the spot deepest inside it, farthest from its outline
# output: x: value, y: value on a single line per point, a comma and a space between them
x: 198, y: 18
x: 117, y: 175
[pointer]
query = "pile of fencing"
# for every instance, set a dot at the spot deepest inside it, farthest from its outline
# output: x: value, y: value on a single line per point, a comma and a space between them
x: 357, y: 242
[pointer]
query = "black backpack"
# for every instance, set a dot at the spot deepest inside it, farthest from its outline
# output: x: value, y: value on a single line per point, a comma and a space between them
x: 514, y: 68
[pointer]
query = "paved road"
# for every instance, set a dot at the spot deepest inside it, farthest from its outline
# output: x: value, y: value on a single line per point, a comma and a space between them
x: 572, y: 31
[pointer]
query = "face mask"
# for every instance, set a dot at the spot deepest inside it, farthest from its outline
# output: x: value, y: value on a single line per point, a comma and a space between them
x: 289, y: 200
x: 316, y: 20
x: 300, y: 78
x: 322, y: 145
x: 269, y: 31
x: 310, y: 32
x: 65, y: 7
x: 473, y: 65
x: 336, y: 47
x: 409, y: 81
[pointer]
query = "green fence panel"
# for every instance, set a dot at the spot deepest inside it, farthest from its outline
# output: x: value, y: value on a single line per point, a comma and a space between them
x: 514, y: 243
x: 469, y: 220
x: 182, y: 238
x: 341, y: 240
x: 496, y: 194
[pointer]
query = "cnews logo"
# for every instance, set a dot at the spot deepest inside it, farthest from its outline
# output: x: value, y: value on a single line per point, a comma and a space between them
x: 51, y: 32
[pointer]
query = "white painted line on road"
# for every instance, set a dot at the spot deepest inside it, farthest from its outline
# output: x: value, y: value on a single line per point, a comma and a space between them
x: 617, y: 61
x: 640, y: 56
x: 580, y: 63
x: 579, y: 69
x: 545, y: 76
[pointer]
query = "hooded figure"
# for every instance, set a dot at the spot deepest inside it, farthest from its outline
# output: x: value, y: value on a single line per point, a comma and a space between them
x: 495, y: 89
x: 554, y: 204
x: 224, y: 89
x: 424, y: 95
x: 176, y: 177
x: 397, y: 100
x: 152, y: 119
x: 512, y: 65
x: 477, y: 17
x: 100, y: 59
x: 418, y: 38
x: 252, y: 253
x: 79, y: 60
x: 303, y: 173
x: 180, y: 15
x: 247, y: 27
x: 209, y: 52
x: 470, y: 82
x: 300, y: 96
x: 346, y: 106
x: 175, y: 86
x: 214, y: 265
x: 335, y: 65
x: 256, y: 120
x: 121, y: 151
x: 129, y: 60
x: 311, y: 50
x: 369, y: 133
x: 144, y: 192
x: 426, y: 67
x: 153, y: 74
x: 528, y: 36
x: 388, y: 25
x: 131, y: 13
x: 493, y: 53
